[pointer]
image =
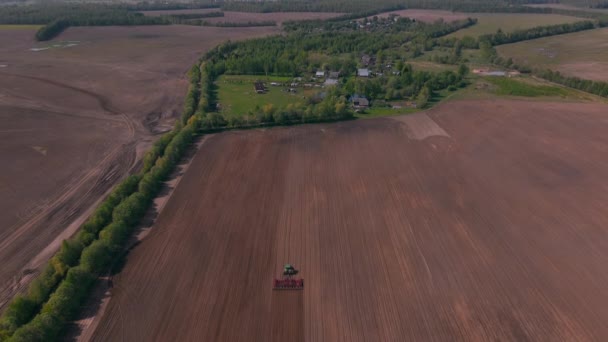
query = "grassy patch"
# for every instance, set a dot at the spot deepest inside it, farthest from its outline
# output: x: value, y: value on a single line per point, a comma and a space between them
x: 19, y: 27
x: 237, y: 95
x: 374, y: 112
x: 509, y: 22
x: 514, y: 87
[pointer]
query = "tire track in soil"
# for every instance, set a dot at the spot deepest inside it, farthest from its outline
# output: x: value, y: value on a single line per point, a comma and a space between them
x: 108, y: 171
x: 487, y: 235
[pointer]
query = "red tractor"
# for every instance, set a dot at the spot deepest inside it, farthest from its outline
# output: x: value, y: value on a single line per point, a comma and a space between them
x: 288, y: 282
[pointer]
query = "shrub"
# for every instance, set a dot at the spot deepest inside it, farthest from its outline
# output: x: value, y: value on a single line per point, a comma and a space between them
x: 96, y: 257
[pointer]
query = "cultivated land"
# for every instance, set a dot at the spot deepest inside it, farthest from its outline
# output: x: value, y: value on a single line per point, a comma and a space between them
x: 581, y: 54
x: 75, y: 117
x: 478, y: 220
x: 508, y: 22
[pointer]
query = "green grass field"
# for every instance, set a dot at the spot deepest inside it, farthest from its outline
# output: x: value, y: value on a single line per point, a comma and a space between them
x: 19, y: 27
x: 518, y: 87
x: 508, y: 22
x: 237, y: 95
x: 581, y: 54
x: 484, y: 88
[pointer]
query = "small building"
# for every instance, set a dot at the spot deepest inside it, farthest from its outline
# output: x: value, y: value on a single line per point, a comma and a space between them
x: 363, y: 72
x: 481, y: 70
x: 320, y: 74
x: 334, y: 75
x: 514, y: 73
x: 331, y: 82
x: 259, y: 87
x: 275, y: 84
x: 359, y: 102
x: 368, y: 60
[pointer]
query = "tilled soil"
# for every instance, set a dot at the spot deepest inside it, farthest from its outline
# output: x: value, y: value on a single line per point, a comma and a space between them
x: 477, y: 221
x: 75, y: 120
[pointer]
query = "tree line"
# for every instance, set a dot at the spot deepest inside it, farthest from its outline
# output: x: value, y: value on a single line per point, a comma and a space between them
x: 234, y: 24
x: 500, y: 37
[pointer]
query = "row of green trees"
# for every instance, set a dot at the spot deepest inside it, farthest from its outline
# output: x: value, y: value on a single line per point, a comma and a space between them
x: 104, y: 18
x: 594, y: 87
x: 24, y: 307
x: 500, y: 37
x: 56, y: 295
x: 236, y: 24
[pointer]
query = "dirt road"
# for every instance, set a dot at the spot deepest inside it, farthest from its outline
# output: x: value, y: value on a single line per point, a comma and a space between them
x: 479, y: 221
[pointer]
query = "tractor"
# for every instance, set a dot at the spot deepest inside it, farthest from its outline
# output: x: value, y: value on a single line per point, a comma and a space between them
x: 288, y: 282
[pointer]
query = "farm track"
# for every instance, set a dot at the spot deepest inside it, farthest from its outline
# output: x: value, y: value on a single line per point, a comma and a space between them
x: 480, y: 220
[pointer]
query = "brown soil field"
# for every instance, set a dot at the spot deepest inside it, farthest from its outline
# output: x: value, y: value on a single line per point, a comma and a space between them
x: 476, y: 221
x: 428, y: 16
x: 244, y: 17
x: 74, y: 120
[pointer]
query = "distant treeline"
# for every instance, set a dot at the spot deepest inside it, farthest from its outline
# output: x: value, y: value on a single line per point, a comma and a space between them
x: 187, y: 16
x: 500, y: 37
x: 58, y: 17
x: 233, y: 24
x: 358, y: 6
x: 55, y: 27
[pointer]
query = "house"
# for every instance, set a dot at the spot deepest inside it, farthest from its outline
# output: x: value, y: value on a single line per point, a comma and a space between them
x: 259, y: 87
x: 481, y: 70
x: 320, y: 74
x: 368, y: 60
x: 331, y: 82
x: 363, y: 72
x: 334, y: 75
x: 359, y: 102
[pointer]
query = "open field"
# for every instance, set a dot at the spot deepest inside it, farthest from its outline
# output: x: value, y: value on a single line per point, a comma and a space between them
x: 476, y: 221
x: 581, y: 54
x: 237, y: 95
x: 76, y: 114
x: 244, y: 17
x: 508, y: 22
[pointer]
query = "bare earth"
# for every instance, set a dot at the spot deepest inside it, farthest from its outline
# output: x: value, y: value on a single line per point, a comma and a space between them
x: 75, y: 120
x: 477, y: 221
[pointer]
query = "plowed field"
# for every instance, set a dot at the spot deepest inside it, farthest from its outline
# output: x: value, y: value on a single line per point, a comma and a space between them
x: 477, y: 221
x: 76, y: 114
